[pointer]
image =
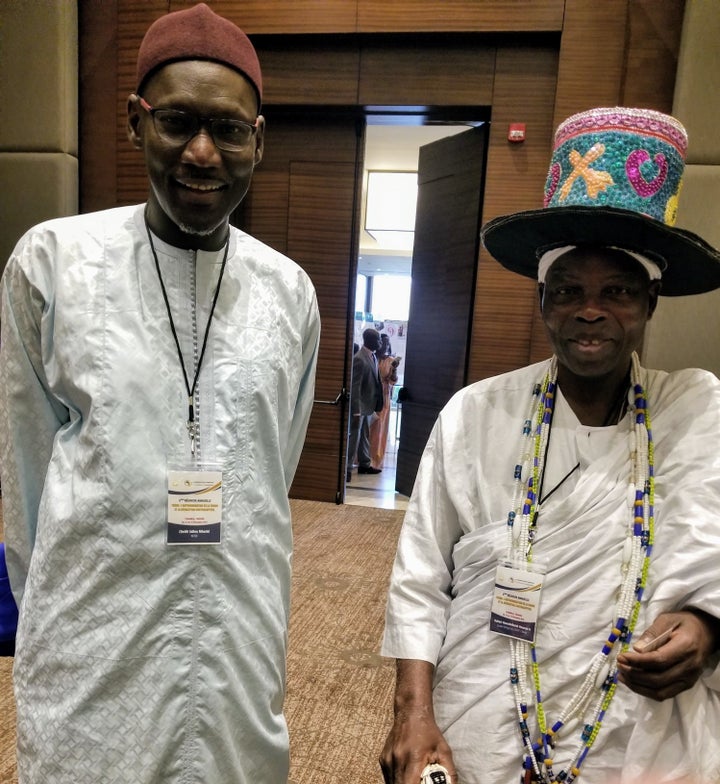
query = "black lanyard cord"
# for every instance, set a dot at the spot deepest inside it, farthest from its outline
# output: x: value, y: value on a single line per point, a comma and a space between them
x: 191, y: 425
x: 559, y: 484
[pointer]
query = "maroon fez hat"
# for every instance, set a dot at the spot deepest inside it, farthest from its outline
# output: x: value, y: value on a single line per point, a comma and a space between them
x: 198, y: 33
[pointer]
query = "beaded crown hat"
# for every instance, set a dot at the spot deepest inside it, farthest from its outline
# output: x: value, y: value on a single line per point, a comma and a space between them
x: 614, y: 180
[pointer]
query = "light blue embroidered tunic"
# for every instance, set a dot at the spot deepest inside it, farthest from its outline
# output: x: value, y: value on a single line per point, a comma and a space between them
x: 138, y: 662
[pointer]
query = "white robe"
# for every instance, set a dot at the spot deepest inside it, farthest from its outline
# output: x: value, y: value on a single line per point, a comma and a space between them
x: 454, y: 534
x: 139, y: 662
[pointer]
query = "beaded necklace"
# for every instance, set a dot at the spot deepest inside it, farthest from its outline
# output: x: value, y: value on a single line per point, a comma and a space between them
x: 590, y: 702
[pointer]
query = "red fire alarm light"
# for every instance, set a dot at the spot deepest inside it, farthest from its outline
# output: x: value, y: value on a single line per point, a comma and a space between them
x: 516, y: 132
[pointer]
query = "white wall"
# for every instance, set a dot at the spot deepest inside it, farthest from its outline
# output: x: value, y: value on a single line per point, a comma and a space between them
x: 39, y: 104
x: 685, y: 331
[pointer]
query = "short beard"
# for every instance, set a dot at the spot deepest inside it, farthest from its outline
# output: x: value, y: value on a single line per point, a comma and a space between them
x: 191, y: 230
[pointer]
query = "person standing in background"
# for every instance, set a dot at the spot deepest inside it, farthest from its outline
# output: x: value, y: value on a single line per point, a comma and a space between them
x: 158, y: 373
x: 365, y: 401
x: 379, y: 427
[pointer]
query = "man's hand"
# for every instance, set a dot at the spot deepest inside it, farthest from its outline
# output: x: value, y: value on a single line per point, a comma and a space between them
x: 414, y: 740
x: 670, y: 655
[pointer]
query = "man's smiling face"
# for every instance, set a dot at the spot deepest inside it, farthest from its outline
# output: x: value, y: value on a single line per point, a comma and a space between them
x: 195, y: 186
x: 595, y: 305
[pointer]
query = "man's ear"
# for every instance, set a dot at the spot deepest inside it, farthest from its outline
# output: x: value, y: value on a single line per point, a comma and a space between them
x: 259, y: 139
x: 541, y: 295
x: 133, y: 121
x: 653, y: 294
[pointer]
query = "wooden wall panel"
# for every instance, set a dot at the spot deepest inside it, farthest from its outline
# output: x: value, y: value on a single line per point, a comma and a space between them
x: 453, y: 15
x: 653, y: 46
x: 134, y: 17
x: 266, y: 205
x: 302, y: 202
x: 285, y: 16
x: 296, y: 72
x: 592, y: 56
x: 324, y: 248
x: 426, y: 72
x: 381, y: 16
x: 515, y: 175
x: 97, y: 65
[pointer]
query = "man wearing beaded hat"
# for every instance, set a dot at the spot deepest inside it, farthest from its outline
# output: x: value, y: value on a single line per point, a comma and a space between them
x: 158, y: 370
x: 555, y: 597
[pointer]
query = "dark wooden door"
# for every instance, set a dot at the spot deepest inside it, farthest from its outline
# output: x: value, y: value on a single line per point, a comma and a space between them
x: 447, y: 225
x: 302, y: 201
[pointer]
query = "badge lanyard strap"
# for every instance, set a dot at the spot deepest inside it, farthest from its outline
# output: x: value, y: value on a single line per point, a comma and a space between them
x: 191, y: 424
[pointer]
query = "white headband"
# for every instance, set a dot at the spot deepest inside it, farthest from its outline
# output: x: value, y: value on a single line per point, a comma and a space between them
x: 549, y: 257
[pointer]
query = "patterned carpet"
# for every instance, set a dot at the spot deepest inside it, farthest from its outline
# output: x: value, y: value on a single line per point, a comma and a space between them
x: 339, y: 701
x: 339, y: 698
x: 8, y: 773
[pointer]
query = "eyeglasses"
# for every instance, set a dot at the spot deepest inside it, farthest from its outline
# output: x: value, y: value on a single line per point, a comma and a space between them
x: 177, y: 127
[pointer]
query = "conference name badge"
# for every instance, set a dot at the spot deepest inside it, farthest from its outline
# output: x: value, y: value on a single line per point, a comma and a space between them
x: 194, y: 507
x: 516, y: 601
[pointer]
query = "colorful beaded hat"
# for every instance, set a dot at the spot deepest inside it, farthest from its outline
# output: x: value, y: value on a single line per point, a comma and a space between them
x: 614, y: 180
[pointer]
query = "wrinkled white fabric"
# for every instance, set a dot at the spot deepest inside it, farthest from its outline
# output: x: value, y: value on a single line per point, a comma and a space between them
x: 137, y: 662
x: 455, y: 533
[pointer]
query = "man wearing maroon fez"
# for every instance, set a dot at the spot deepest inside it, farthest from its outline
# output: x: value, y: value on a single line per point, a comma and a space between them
x: 158, y: 369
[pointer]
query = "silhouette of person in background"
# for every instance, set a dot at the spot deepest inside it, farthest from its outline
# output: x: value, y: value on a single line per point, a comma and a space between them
x: 387, y: 370
x: 365, y: 401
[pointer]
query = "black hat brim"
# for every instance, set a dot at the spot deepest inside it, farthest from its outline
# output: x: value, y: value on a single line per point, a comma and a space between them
x: 517, y: 241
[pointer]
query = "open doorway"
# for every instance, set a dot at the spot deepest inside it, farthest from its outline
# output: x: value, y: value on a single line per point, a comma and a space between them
x: 384, y: 275
x: 306, y: 202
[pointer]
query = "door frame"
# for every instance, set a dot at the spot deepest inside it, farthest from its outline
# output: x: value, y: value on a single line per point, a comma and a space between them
x: 450, y: 115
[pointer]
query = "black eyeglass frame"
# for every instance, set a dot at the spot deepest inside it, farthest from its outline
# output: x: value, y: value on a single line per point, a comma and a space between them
x: 195, y: 123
